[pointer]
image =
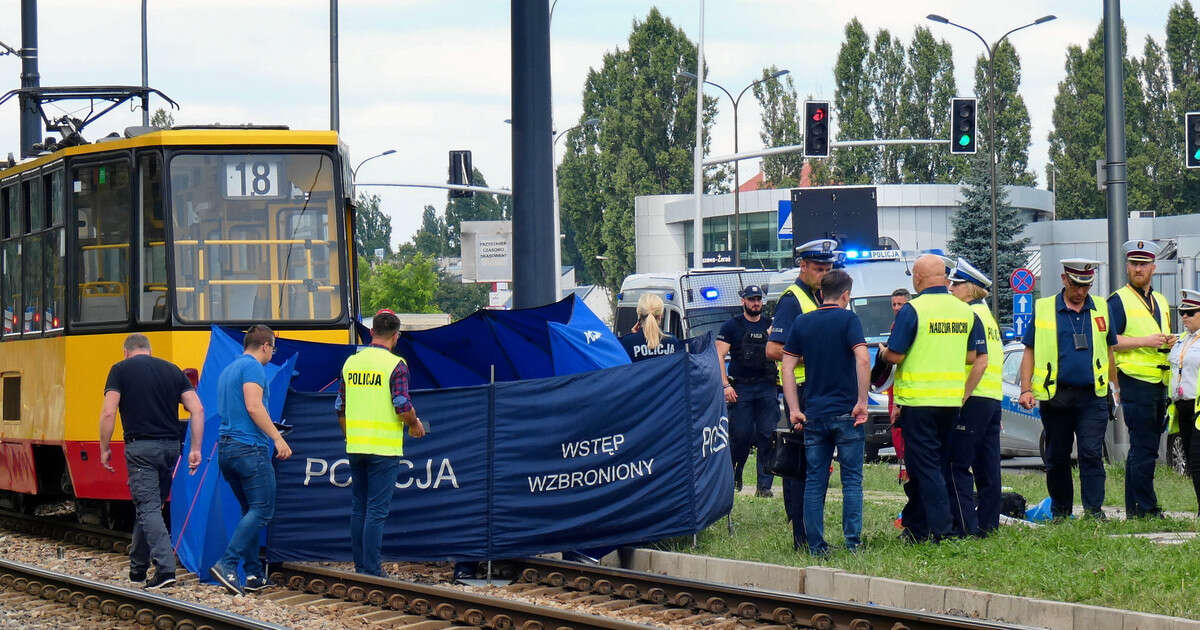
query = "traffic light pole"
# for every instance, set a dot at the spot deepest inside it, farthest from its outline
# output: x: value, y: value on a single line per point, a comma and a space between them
x: 799, y: 148
x: 1114, y: 122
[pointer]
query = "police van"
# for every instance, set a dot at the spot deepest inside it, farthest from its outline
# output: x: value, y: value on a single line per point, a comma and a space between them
x: 695, y: 302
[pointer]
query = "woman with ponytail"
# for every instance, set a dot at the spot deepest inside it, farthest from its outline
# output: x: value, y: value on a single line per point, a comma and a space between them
x: 647, y: 339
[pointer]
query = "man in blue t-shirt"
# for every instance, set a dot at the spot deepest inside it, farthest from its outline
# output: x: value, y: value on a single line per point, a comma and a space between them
x: 830, y: 340
x: 246, y: 436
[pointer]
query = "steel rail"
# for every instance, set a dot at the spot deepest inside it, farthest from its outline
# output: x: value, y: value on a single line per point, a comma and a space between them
x: 747, y: 603
x: 144, y: 608
x: 447, y: 604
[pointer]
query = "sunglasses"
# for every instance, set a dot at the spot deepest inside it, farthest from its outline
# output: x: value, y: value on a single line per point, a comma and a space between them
x: 1188, y: 313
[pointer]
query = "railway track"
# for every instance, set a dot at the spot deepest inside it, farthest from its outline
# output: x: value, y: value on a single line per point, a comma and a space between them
x: 549, y: 595
x: 72, y: 596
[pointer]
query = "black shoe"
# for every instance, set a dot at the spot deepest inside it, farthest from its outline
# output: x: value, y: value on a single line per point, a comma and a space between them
x: 737, y: 485
x: 226, y: 579
x: 1099, y: 515
x: 137, y: 576
x: 465, y: 570
x: 764, y: 493
x: 161, y: 580
x: 255, y: 584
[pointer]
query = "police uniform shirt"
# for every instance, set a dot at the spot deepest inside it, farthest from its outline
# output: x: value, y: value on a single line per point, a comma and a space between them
x: 748, y: 349
x: 638, y: 350
x: 904, y: 329
x: 1116, y: 309
x: 787, y: 310
x: 1074, y: 366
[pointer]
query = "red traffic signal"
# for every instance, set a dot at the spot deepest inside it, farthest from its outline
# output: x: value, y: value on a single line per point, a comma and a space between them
x: 816, y: 129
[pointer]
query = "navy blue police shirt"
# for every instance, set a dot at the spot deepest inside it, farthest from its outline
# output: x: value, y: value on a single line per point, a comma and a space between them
x: 826, y: 338
x: 787, y: 310
x: 904, y: 330
x: 638, y: 350
x: 748, y: 349
x: 1074, y: 366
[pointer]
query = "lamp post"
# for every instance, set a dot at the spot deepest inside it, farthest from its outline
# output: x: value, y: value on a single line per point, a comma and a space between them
x: 737, y: 219
x: 591, y: 122
x: 991, y: 53
x: 354, y: 173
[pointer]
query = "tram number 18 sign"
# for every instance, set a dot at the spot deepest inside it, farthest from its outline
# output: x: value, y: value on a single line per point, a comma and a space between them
x: 252, y: 176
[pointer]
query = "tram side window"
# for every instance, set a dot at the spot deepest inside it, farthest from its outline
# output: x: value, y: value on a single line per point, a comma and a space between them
x: 101, y: 202
x: 11, y: 263
x: 54, y: 251
x: 152, y: 241
x: 31, y: 254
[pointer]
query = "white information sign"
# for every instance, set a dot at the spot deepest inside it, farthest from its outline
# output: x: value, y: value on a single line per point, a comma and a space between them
x: 252, y: 176
x: 486, y: 251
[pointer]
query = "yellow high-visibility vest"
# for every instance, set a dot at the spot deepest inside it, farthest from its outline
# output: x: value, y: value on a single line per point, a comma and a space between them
x: 990, y: 385
x: 807, y: 305
x: 372, y: 425
x: 1144, y: 364
x: 931, y: 374
x: 1045, y: 347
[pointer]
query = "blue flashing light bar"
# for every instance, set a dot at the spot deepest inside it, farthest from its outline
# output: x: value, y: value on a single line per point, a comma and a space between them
x: 670, y: 295
x: 710, y: 293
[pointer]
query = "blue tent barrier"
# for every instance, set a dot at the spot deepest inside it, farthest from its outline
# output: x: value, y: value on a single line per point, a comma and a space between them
x: 556, y: 454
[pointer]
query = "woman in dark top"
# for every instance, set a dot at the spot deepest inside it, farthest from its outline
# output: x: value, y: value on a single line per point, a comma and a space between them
x: 647, y: 340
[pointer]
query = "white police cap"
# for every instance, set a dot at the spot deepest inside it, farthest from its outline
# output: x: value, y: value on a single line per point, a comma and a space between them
x: 1080, y: 270
x: 820, y: 250
x: 965, y: 272
x: 1189, y: 300
x: 1137, y: 250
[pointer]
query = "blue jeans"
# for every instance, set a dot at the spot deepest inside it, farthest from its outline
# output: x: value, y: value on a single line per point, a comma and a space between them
x: 752, y: 420
x: 373, y: 484
x: 821, y: 435
x: 251, y: 476
x: 1145, y: 407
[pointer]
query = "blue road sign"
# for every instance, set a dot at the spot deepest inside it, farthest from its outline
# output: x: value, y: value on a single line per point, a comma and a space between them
x: 1021, y: 321
x: 1021, y: 280
x: 1022, y: 304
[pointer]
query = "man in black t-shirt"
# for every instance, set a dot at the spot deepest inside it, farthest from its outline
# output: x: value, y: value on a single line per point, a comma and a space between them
x: 147, y: 391
x: 749, y: 387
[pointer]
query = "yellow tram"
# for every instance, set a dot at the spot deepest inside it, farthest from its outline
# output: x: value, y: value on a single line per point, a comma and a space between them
x: 166, y: 233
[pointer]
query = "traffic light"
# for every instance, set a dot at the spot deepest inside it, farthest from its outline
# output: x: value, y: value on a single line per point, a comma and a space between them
x: 1191, y: 136
x: 460, y: 173
x: 816, y: 128
x: 962, y: 125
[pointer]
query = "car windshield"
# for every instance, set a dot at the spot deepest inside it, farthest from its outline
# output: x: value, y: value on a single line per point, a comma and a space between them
x: 875, y: 312
x: 702, y: 320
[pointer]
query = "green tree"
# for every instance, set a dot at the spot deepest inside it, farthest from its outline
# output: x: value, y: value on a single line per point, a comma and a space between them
x: 431, y: 238
x: 925, y: 109
x: 1158, y: 165
x: 458, y: 299
x: 886, y: 69
x: 972, y: 232
x: 403, y: 286
x: 643, y: 145
x: 162, y: 119
x: 852, y: 99
x: 478, y: 207
x: 372, y: 227
x: 1012, y: 117
x: 780, y: 127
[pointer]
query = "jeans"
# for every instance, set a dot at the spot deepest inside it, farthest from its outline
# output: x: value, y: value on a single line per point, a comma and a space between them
x: 1075, y: 415
x: 821, y: 435
x: 927, y: 513
x: 373, y: 484
x: 752, y: 420
x: 973, y: 461
x: 151, y: 464
x: 793, y: 493
x: 251, y: 476
x: 1145, y: 407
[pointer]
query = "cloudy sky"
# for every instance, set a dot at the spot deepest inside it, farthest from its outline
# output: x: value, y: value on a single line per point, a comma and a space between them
x: 426, y: 76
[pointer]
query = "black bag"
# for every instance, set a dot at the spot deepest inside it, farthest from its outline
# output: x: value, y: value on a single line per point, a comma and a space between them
x: 787, y: 454
x: 1012, y: 505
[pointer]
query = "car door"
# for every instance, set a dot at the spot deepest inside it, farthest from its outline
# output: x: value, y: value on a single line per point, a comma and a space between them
x: 1020, y: 429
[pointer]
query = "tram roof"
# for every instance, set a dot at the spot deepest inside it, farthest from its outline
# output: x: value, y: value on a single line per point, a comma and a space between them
x: 186, y: 137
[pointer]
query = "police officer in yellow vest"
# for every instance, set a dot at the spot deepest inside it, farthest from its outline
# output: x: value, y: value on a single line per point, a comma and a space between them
x: 373, y: 406
x: 973, y: 447
x: 935, y: 335
x: 815, y: 259
x: 1067, y: 367
x: 1142, y: 322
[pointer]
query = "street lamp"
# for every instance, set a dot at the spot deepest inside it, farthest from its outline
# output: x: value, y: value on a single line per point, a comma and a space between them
x: 737, y: 220
x: 591, y: 122
x: 354, y: 173
x: 991, y: 52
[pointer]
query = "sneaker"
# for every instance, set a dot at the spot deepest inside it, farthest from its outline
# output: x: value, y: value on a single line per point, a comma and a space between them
x: 137, y: 576
x: 227, y: 579
x: 161, y: 580
x: 255, y: 583
x: 764, y: 493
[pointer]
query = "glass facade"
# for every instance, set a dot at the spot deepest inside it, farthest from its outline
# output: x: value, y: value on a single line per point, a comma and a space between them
x: 760, y: 244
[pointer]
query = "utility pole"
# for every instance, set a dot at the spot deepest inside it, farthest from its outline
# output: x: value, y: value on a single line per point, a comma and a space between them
x: 1117, y: 191
x: 335, y: 114
x: 31, y: 122
x: 145, y: 71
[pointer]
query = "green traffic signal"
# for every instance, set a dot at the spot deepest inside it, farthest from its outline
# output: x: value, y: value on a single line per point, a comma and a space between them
x: 1197, y: 155
x: 965, y: 141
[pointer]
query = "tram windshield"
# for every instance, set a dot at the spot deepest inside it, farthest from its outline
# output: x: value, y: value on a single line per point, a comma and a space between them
x: 255, y: 237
